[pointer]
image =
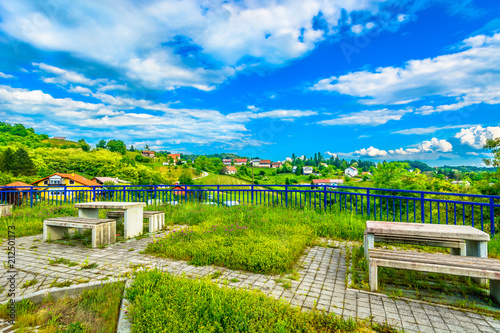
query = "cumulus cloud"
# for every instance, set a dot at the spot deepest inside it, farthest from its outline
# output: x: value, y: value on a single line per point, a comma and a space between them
x: 195, y: 43
x: 367, y: 117
x: 330, y: 154
x: 476, y: 136
x: 469, y: 76
x: 425, y: 147
x: 277, y: 114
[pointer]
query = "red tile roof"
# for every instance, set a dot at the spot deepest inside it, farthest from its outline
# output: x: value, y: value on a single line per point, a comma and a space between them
x: 231, y: 168
x: 240, y: 160
x: 265, y: 161
x: 21, y: 185
x: 72, y: 176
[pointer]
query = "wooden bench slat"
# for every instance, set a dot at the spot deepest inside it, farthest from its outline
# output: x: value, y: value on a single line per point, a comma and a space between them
x: 382, y: 236
x: 441, y: 259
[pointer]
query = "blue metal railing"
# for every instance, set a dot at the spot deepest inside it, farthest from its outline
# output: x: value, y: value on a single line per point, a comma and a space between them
x: 481, y: 211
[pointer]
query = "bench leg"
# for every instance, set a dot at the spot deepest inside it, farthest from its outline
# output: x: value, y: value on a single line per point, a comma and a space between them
x: 53, y: 232
x: 495, y: 290
x: 461, y: 251
x: 369, y: 240
x: 152, y: 223
x: 373, y: 275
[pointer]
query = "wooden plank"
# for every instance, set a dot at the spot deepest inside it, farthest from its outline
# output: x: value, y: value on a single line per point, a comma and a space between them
x: 441, y: 259
x: 426, y: 230
x: 435, y: 268
x: 110, y: 205
x: 404, y: 237
x: 420, y: 241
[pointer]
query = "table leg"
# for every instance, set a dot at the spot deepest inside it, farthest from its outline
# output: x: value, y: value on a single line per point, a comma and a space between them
x: 133, y: 221
x: 92, y: 213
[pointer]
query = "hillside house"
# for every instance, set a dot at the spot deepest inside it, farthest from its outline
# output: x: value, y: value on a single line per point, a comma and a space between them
x: 255, y: 162
x: 276, y: 165
x: 149, y: 154
x: 265, y: 163
x: 307, y: 170
x: 461, y: 182
x: 180, y: 190
x: 240, y: 161
x: 53, y: 185
x: 116, y: 180
x: 229, y: 170
x: 226, y: 161
x: 294, y: 169
x: 351, y: 171
x: 62, y: 138
x: 320, y: 182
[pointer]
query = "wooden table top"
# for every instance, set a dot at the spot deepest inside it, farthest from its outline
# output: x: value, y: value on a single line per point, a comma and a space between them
x: 426, y: 230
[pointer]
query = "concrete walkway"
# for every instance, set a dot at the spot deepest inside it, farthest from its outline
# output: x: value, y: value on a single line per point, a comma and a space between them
x: 322, y: 279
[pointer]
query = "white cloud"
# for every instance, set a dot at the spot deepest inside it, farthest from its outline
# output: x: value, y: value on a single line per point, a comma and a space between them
x: 142, y: 38
x: 6, y: 76
x: 357, y: 29
x: 80, y: 90
x: 277, y: 114
x: 468, y: 77
x: 425, y: 147
x: 330, y: 154
x: 371, y: 152
x: 367, y: 117
x: 427, y: 130
x: 64, y: 76
x: 476, y: 136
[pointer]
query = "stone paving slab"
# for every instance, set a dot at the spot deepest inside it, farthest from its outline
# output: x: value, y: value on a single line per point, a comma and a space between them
x: 322, y: 280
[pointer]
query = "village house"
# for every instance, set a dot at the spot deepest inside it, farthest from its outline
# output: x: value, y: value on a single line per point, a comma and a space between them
x: 294, y: 169
x: 255, y: 162
x: 265, y: 163
x: 226, y: 161
x: 116, y: 180
x: 62, y: 138
x: 229, y: 170
x: 55, y: 184
x: 174, y: 157
x: 461, y: 182
x: 276, y: 165
x: 320, y: 182
x: 147, y: 153
x: 351, y: 171
x: 240, y: 161
x: 307, y: 170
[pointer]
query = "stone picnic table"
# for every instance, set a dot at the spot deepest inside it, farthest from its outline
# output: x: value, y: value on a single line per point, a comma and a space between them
x: 476, y: 241
x: 133, y: 214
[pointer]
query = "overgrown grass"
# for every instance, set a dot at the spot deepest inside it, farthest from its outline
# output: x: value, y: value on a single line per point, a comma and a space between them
x: 164, y: 303
x: 253, y: 238
x: 440, y: 288
x: 29, y: 221
x: 92, y: 311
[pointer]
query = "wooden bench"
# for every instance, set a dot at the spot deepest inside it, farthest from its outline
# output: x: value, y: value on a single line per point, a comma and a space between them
x: 457, y: 246
x: 482, y: 268
x: 156, y: 218
x: 103, y: 230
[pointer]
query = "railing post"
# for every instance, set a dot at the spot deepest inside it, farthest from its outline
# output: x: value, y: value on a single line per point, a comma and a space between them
x: 422, y: 207
x: 286, y: 196
x: 368, y: 202
x: 65, y: 193
x: 324, y: 198
x: 31, y: 197
x: 218, y: 193
x: 185, y: 193
x: 124, y: 193
x: 93, y: 191
x: 252, y: 186
x: 156, y: 194
x: 492, y: 216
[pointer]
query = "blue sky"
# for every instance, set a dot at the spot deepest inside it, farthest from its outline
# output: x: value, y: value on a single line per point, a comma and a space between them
x: 380, y: 80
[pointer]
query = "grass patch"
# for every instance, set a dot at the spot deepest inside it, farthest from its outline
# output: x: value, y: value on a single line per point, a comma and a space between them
x: 162, y: 303
x: 64, y: 261
x: 253, y: 238
x: 29, y: 283
x: 93, y: 311
x: 438, y: 288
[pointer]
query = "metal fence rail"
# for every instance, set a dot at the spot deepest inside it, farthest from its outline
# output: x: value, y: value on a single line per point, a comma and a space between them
x: 374, y: 203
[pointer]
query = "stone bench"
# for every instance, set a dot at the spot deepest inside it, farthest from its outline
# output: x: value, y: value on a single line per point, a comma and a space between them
x: 476, y: 267
x: 156, y: 218
x: 457, y: 246
x: 103, y: 230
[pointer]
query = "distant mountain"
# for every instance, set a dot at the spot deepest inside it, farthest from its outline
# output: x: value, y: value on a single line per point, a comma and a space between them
x: 469, y: 168
x: 419, y: 165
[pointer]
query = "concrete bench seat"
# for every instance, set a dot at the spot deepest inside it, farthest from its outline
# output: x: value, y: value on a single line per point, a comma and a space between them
x: 156, y: 218
x: 457, y: 246
x: 103, y: 230
x: 476, y: 267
